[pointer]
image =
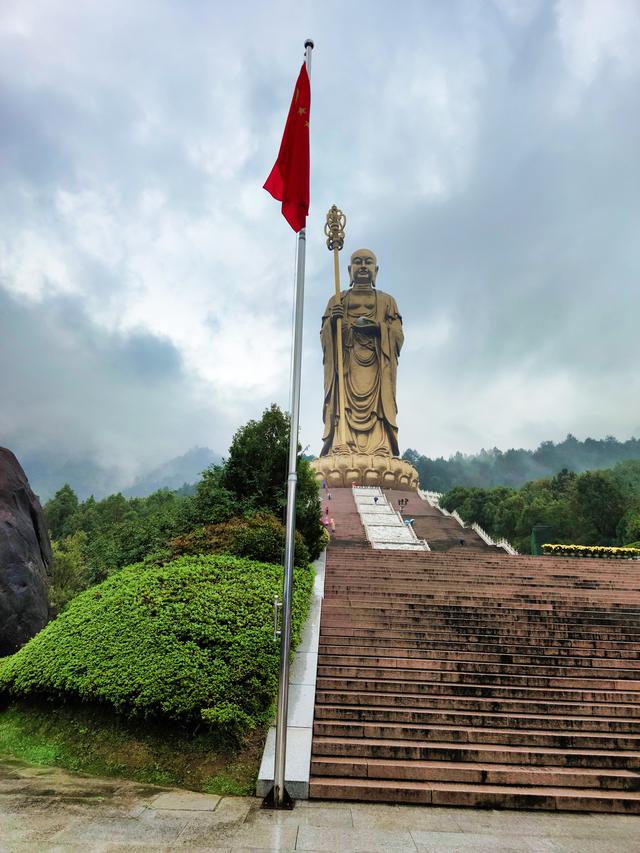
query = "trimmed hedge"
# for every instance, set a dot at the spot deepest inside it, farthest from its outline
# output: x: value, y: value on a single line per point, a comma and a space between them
x: 189, y: 640
x: 258, y: 537
x: 605, y: 552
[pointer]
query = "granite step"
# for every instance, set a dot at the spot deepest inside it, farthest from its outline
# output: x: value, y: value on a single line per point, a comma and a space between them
x: 355, y: 698
x: 534, y: 755
x: 419, y: 650
x: 496, y: 639
x: 400, y: 665
x: 572, y: 651
x: 489, y: 774
x: 498, y: 678
x: 556, y: 722
x: 477, y: 796
x: 492, y: 690
x: 459, y: 734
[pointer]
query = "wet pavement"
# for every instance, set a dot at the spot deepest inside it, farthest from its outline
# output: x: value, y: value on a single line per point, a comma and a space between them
x: 48, y: 809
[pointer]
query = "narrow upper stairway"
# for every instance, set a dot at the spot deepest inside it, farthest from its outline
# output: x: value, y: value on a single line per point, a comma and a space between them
x: 471, y: 677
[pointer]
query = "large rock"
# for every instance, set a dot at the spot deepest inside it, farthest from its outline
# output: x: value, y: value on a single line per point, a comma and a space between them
x: 25, y: 558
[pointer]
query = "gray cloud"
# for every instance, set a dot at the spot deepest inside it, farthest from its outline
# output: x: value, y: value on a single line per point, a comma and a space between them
x: 68, y: 385
x: 486, y: 151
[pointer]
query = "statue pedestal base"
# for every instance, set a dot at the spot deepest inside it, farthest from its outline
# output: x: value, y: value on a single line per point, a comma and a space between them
x: 358, y: 469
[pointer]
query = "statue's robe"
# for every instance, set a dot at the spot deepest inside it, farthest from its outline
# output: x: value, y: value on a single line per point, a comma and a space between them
x: 370, y: 354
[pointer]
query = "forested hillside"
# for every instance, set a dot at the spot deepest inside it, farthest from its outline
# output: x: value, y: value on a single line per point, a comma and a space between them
x: 516, y: 467
x: 235, y: 507
x: 592, y: 508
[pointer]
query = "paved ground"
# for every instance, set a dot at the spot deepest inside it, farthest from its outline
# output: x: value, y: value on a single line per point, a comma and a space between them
x: 46, y: 809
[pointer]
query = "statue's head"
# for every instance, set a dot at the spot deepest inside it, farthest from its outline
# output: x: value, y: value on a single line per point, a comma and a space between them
x: 363, y: 268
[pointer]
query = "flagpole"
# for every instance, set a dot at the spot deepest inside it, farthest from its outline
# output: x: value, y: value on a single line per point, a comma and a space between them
x: 278, y: 797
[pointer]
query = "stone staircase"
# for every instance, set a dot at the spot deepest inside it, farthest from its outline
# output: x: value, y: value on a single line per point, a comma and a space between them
x: 442, y: 532
x: 470, y: 677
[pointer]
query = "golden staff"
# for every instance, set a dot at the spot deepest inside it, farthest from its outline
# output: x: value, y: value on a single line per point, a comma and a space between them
x: 334, y: 230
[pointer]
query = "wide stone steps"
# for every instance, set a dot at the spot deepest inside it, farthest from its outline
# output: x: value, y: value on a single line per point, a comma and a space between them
x: 398, y: 598
x: 480, y: 796
x: 475, y: 638
x: 547, y: 756
x: 479, y: 688
x: 491, y: 774
x: 428, y: 716
x: 408, y: 590
x: 489, y: 630
x: 443, y: 676
x: 458, y: 734
x: 447, y: 614
x: 409, y: 653
x: 481, y: 704
x: 332, y: 663
x: 474, y: 678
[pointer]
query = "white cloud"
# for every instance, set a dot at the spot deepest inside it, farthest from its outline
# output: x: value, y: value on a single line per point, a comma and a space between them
x: 596, y: 36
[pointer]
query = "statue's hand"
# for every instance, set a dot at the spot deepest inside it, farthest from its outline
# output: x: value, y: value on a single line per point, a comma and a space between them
x: 337, y: 311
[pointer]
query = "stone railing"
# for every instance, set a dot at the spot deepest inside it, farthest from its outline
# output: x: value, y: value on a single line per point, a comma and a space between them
x: 499, y: 543
x: 433, y: 499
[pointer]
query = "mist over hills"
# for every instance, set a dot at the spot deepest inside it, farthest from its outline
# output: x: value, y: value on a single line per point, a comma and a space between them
x: 514, y: 468
x: 175, y: 473
x: 47, y: 472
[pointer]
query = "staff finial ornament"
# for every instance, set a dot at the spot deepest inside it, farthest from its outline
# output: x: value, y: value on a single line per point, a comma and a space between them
x: 334, y: 228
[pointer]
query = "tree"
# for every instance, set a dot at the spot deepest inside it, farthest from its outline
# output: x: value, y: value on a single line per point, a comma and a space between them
x: 59, y: 510
x: 70, y: 571
x: 629, y: 527
x: 256, y: 474
x: 256, y: 470
x: 599, y: 506
x: 213, y: 503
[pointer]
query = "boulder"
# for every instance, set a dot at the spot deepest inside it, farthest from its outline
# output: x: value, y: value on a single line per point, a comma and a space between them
x: 25, y: 558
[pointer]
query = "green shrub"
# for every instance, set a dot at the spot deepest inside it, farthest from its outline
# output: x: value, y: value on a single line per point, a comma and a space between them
x: 190, y: 640
x: 258, y: 537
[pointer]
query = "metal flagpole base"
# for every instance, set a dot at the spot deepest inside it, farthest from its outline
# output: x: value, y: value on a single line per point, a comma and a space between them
x: 269, y: 801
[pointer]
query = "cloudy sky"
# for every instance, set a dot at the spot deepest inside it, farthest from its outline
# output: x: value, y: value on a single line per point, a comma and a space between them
x: 487, y: 150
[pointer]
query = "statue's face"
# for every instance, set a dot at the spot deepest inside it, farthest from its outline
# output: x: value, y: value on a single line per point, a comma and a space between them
x: 363, y: 268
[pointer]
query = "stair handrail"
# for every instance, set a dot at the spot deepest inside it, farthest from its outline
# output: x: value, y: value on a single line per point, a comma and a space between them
x: 498, y: 543
x: 482, y: 533
x: 508, y: 547
x: 432, y: 498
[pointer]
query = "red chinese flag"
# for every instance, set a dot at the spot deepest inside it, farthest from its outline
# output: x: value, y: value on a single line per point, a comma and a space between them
x: 289, y: 178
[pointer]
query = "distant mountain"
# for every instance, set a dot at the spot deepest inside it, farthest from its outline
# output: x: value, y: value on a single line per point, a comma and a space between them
x: 175, y: 473
x: 47, y: 472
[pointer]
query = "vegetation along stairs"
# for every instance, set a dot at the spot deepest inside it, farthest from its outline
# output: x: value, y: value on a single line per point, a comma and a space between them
x: 470, y: 677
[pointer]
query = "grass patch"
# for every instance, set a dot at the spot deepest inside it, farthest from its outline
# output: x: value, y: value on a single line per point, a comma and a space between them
x: 94, y: 740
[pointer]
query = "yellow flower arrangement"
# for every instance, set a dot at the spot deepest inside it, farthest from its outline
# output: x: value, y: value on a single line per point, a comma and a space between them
x: 606, y: 552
